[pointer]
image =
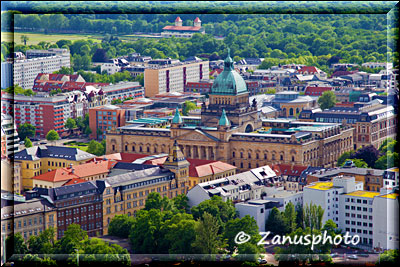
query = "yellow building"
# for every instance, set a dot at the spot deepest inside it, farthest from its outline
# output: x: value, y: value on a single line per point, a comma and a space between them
x: 126, y: 193
x: 41, y: 159
x: 90, y: 171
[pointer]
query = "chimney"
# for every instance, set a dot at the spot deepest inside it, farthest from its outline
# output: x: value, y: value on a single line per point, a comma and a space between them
x: 72, y: 170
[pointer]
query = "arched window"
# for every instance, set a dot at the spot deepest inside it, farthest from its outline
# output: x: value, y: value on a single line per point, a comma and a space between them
x: 291, y: 111
x: 233, y: 154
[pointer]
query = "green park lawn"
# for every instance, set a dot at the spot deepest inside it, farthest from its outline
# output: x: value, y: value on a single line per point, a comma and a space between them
x: 35, y: 38
x: 83, y: 148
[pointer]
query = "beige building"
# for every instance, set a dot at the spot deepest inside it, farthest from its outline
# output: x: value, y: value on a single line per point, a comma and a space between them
x: 28, y: 217
x: 229, y: 132
x: 173, y: 77
x: 11, y: 177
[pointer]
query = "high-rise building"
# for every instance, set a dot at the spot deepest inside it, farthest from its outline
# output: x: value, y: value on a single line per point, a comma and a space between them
x: 24, y: 71
x: 173, y: 77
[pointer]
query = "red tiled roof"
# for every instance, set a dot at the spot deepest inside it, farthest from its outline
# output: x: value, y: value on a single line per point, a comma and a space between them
x: 201, y: 167
x: 80, y: 171
x: 182, y: 28
x: 58, y: 175
x: 287, y: 169
x: 130, y: 157
x: 316, y: 90
x: 178, y: 19
x: 308, y: 69
x: 75, y: 181
x: 115, y: 156
x: 216, y: 70
x: 197, y: 20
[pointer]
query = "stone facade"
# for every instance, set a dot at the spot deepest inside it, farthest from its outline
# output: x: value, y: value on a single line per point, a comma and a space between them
x: 236, y: 142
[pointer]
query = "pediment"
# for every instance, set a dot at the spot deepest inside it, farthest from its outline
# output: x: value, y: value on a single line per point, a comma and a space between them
x: 198, y: 135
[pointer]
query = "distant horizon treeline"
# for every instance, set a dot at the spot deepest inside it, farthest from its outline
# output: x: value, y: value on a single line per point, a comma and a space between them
x: 280, y: 38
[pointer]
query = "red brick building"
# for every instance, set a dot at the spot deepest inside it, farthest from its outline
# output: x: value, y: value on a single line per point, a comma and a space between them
x: 105, y: 118
x: 45, y: 113
x: 316, y: 90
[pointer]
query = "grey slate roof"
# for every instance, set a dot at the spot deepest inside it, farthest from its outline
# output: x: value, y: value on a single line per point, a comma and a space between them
x: 61, y: 152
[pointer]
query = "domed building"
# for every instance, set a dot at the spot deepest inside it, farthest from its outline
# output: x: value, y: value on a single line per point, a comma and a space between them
x: 230, y: 130
x: 229, y: 92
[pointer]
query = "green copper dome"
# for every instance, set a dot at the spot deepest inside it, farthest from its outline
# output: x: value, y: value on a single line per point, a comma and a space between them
x: 224, y: 121
x: 228, y: 82
x: 177, y: 117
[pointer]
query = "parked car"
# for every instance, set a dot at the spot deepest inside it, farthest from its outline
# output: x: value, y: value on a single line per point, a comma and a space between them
x: 364, y: 255
x: 352, y: 257
x: 43, y: 143
x: 262, y: 261
x: 334, y: 255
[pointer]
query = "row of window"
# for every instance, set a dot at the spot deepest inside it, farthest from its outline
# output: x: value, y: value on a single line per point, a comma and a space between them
x: 359, y: 216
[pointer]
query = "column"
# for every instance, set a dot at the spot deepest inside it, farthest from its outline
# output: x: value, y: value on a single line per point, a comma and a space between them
x: 206, y: 150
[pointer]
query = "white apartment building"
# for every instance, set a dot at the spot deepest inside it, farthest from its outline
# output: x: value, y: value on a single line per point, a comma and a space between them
x: 284, y: 197
x: 10, y: 130
x: 244, y: 186
x: 111, y: 68
x: 386, y: 221
x: 173, y: 77
x: 326, y: 195
x: 258, y: 209
x: 373, y: 65
x: 370, y: 215
x: 26, y: 70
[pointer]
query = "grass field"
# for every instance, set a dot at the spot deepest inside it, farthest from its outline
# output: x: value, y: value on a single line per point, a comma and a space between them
x: 35, y: 38
x: 83, y: 148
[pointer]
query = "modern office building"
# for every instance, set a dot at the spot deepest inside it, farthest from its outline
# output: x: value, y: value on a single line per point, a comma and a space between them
x: 173, y: 77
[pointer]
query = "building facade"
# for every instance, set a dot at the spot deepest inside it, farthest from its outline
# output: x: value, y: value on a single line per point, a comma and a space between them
x: 160, y: 79
x: 26, y: 70
x: 41, y: 159
x: 231, y: 131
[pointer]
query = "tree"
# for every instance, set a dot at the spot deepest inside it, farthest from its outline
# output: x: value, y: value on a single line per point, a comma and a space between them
x: 88, y: 131
x: 26, y: 130
x: 182, y: 225
x: 369, y: 154
x: 188, y: 106
x: 155, y: 201
x: 24, y: 39
x: 327, y: 100
x: 342, y: 159
x: 71, y: 240
x: 299, y: 215
x: 207, y: 239
x: 145, y: 236
x: 388, y: 258
x: 275, y: 222
x: 246, y: 224
x: 28, y: 142
x: 312, y: 216
x: 181, y: 203
x: 121, y: 225
x: 140, y: 79
x: 70, y: 124
x: 289, y: 217
x: 100, y: 55
x: 43, y: 243
x: 220, y: 210
x: 389, y: 160
x: 52, y: 135
x: 95, y: 148
x: 359, y: 163
x: 271, y: 91
x: 15, y: 245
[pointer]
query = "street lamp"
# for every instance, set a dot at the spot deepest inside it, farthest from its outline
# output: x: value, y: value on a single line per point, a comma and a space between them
x: 77, y: 256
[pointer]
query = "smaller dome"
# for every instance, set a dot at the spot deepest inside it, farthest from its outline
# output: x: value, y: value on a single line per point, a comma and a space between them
x: 178, y: 19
